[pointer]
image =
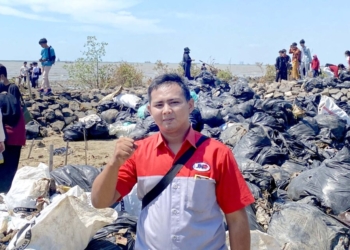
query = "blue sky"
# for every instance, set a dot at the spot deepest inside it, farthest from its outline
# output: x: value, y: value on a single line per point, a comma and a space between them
x: 137, y: 31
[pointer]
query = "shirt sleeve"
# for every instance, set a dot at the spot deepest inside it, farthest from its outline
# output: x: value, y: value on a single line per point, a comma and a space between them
x: 232, y: 191
x: 127, y: 177
x: 2, y: 133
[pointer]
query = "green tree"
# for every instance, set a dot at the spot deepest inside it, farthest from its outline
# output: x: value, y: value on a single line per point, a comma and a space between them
x: 87, y: 71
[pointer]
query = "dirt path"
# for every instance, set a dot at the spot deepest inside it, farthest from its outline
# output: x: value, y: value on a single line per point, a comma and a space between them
x: 98, y: 152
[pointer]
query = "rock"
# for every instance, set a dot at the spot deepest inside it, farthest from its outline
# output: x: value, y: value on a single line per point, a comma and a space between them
x: 28, y: 103
x: 338, y: 96
x: 79, y: 114
x: 334, y: 91
x: 345, y: 91
x: 41, y: 121
x: 302, y: 94
x: 59, y: 115
x: 95, y: 91
x: 85, y: 106
x: 85, y: 97
x: 57, y: 126
x: 325, y: 92
x: 274, y: 85
x: 67, y: 112
x: 50, y: 115
x: 105, y: 92
x: 348, y: 95
x: 344, y: 99
x: 35, y: 107
x: 90, y: 112
x: 316, y: 91
x: 74, y: 106
x: 69, y: 120
x: 98, y: 97
x: 40, y: 144
x: 110, y: 115
x: 285, y: 89
x: 54, y: 106
x: 63, y: 104
x: 270, y: 90
x: 94, y: 104
x: 289, y: 93
x: 269, y: 95
x: 277, y: 94
x: 35, y: 114
x: 43, y: 132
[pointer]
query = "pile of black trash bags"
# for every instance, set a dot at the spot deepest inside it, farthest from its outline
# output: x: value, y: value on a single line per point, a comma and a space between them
x: 299, y: 166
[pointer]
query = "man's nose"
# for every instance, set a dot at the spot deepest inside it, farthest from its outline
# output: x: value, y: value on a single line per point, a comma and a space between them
x: 167, y: 109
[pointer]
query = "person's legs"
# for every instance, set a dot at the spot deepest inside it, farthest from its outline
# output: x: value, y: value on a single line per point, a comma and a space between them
x: 302, y: 70
x: 45, y: 83
x: 278, y: 76
x: 188, y: 71
x: 284, y: 75
x: 9, y: 167
x: 295, y: 69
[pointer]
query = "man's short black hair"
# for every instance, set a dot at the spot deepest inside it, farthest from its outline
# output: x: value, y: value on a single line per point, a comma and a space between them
x: 3, y: 70
x: 42, y: 40
x: 302, y: 41
x: 281, y: 51
x: 24, y: 62
x: 329, y: 64
x: 284, y: 50
x: 341, y: 66
x: 347, y: 53
x: 170, y: 78
x: 294, y: 44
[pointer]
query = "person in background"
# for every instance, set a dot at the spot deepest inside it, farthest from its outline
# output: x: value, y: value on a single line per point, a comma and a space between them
x: 281, y: 67
x: 332, y: 68
x: 46, y: 63
x: 187, y: 61
x: 347, y: 55
x: 35, y: 75
x: 15, y: 132
x: 23, y: 73
x: 289, y: 65
x: 203, y: 68
x: 295, y: 60
x: 305, y: 59
x: 30, y: 71
x: 315, y: 65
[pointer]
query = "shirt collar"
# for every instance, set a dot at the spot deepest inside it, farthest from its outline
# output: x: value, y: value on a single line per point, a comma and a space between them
x: 190, y: 137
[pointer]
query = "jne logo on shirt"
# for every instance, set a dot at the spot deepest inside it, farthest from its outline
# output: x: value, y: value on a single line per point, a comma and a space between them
x: 202, y: 167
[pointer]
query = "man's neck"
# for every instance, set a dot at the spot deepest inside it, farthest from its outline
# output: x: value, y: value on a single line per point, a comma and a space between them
x: 6, y: 82
x: 176, y: 138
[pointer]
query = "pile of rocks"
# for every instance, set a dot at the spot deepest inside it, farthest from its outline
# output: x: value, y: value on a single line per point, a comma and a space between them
x: 54, y: 113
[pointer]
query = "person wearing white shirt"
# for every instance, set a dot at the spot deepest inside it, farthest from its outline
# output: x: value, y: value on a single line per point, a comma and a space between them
x: 36, y: 72
x: 306, y: 59
x: 23, y: 73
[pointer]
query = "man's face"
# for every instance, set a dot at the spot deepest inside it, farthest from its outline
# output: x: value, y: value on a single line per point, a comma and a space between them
x: 42, y: 45
x: 170, y: 109
x: 25, y: 65
x: 302, y: 45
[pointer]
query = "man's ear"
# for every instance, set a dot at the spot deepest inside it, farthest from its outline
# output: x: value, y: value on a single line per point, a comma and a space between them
x: 149, y: 108
x: 191, y: 104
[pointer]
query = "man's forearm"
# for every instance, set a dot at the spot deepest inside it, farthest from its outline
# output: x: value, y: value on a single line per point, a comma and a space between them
x: 238, y: 227
x: 104, y: 187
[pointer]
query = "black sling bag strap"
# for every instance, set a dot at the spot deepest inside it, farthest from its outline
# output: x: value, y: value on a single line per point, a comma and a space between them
x: 170, y: 175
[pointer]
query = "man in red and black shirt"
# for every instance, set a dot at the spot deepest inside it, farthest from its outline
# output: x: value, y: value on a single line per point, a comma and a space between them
x: 188, y: 213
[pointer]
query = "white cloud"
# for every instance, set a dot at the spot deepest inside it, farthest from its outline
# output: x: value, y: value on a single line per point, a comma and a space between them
x: 111, y: 13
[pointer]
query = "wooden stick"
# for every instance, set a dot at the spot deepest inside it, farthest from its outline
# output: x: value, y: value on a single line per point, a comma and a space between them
x: 65, y: 161
x: 51, y: 158
x: 30, y: 149
x: 85, y: 146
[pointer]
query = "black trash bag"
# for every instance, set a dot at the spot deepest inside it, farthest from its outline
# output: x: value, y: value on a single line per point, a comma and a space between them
x: 253, y: 224
x: 312, y: 83
x: 330, y: 82
x: 32, y: 130
x: 252, y: 143
x: 344, y: 76
x: 99, y: 131
x: 304, y: 129
x: 256, y: 174
x: 233, y: 134
x: 293, y: 168
x: 336, y: 126
x: 105, y: 238
x: 263, y: 119
x: 109, y: 115
x: 279, y: 109
x: 211, y: 132
x: 211, y: 116
x: 279, y: 197
x: 138, y: 134
x: 255, y: 190
x: 74, y: 132
x: 75, y: 175
x: 280, y: 176
x: 126, y: 116
x: 149, y: 125
x: 242, y: 92
x: 302, y: 226
x: 329, y: 183
x: 344, y: 85
x: 196, y: 120
x: 230, y: 118
x: 245, y: 109
x: 271, y: 155
x: 309, y: 104
x: 106, y: 105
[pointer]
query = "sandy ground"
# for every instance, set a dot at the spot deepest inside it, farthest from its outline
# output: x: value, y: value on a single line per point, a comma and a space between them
x: 98, y: 152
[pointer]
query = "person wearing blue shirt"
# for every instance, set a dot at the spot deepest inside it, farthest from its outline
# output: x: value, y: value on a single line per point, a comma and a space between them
x: 47, y: 60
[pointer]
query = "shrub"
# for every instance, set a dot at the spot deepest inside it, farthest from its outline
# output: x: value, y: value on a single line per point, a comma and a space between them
x: 127, y: 75
x: 225, y: 75
x: 269, y: 75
